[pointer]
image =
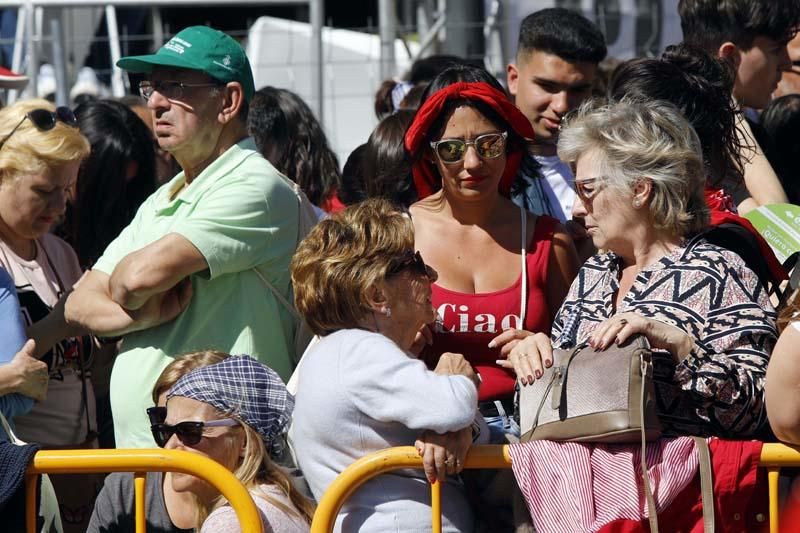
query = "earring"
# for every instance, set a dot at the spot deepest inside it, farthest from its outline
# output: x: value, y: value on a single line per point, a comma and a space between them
x: 637, y: 204
x: 386, y: 311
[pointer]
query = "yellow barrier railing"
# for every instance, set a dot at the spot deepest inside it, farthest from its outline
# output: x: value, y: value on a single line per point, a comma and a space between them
x: 139, y: 462
x: 773, y: 457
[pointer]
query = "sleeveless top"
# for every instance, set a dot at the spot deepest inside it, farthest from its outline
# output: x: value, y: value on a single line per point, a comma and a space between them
x: 467, y: 322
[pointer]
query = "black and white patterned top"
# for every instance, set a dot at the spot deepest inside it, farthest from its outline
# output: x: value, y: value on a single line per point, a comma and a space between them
x: 709, y: 293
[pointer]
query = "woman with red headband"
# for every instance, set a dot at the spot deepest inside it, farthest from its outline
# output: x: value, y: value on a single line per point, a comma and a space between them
x: 503, y: 272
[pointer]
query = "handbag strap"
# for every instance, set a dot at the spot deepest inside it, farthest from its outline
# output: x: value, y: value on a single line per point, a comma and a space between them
x: 524, y: 253
x: 289, y: 307
x: 706, y: 485
x: 652, y: 511
x: 12, y: 438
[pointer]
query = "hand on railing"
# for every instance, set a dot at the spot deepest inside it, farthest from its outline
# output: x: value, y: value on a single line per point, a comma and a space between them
x: 443, y: 455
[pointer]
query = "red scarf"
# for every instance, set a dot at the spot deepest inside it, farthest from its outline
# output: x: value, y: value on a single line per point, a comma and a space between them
x: 426, y: 176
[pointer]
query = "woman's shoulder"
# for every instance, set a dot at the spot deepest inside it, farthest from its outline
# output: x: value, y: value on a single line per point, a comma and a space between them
x: 704, y: 254
x: 58, y: 249
x: 63, y: 257
x: 351, y: 336
x: 282, y: 518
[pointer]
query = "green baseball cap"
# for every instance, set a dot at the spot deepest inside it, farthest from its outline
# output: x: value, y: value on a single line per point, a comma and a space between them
x: 199, y: 48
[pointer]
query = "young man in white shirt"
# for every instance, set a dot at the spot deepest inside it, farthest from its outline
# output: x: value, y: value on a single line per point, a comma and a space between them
x: 558, y: 52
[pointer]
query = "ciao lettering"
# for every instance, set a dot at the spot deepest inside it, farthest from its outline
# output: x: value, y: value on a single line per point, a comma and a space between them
x: 457, y: 319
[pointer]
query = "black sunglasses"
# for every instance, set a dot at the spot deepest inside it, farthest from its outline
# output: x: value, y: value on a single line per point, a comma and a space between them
x: 411, y: 260
x: 189, y: 432
x: 45, y: 120
x: 157, y: 414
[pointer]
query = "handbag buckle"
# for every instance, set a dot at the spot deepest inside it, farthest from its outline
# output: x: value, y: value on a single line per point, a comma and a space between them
x: 558, y: 382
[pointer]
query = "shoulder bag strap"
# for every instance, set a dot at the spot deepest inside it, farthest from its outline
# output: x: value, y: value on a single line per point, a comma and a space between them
x: 652, y: 511
x: 289, y: 307
x: 523, y: 252
x: 706, y: 483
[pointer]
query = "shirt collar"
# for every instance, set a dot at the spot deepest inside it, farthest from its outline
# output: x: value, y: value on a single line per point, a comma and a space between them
x: 218, y: 169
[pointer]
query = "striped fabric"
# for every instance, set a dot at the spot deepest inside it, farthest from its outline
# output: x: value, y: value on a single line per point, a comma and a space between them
x: 574, y: 487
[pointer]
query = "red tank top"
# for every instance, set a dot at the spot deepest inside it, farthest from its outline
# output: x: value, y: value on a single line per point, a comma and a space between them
x: 467, y: 322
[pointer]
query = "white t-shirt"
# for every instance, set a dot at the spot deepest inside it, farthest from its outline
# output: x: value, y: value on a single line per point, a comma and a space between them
x: 274, y: 519
x: 549, y: 192
x: 560, y: 190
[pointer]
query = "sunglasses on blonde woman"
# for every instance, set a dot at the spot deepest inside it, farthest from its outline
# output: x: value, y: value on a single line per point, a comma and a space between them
x: 189, y: 432
x: 45, y: 120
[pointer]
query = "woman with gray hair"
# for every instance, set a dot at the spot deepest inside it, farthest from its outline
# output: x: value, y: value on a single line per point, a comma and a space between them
x: 639, y: 179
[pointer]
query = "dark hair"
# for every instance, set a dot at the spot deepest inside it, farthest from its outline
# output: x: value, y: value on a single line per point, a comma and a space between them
x: 699, y: 85
x: 781, y: 121
x: 563, y: 33
x: 471, y: 74
x: 413, y: 98
x: 386, y: 168
x: 106, y: 200
x: 422, y: 71
x: 290, y: 137
x: 709, y: 23
x: 353, y: 188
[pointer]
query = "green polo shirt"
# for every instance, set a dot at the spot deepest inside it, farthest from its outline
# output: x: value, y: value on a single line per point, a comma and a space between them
x: 240, y: 213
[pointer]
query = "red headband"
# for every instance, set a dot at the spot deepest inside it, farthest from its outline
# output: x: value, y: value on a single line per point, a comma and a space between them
x: 425, y: 174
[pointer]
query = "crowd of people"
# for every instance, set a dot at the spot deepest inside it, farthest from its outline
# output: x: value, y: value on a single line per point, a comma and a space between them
x: 159, y: 274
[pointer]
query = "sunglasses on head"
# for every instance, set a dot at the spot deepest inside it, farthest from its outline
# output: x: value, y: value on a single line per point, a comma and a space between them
x: 45, y: 120
x: 411, y: 260
x: 488, y: 146
x: 189, y: 432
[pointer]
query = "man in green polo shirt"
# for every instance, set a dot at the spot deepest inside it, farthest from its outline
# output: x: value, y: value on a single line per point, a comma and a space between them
x: 182, y: 277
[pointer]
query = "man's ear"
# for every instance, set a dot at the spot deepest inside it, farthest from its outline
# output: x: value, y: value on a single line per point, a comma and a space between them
x: 730, y: 53
x: 232, y: 101
x: 512, y: 77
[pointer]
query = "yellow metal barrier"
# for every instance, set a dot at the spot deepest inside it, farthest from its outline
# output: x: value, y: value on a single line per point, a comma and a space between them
x: 773, y: 457
x: 383, y: 461
x: 139, y: 462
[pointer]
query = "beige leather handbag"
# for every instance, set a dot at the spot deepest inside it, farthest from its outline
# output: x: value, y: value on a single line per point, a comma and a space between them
x: 593, y: 396
x: 607, y: 397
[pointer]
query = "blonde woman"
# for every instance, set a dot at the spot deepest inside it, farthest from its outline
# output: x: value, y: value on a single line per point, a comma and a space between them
x: 178, y: 502
x: 41, y: 151
x: 235, y: 412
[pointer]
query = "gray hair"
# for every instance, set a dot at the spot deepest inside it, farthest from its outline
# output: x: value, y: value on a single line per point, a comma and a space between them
x: 635, y: 140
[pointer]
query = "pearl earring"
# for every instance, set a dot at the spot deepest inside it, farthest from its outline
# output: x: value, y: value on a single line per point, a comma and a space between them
x: 386, y: 311
x: 637, y: 204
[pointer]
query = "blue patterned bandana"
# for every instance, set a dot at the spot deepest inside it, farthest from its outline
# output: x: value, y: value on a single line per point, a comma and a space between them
x: 246, y: 389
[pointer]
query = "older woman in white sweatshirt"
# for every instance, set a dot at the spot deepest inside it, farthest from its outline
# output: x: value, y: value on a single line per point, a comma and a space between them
x: 359, y: 285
